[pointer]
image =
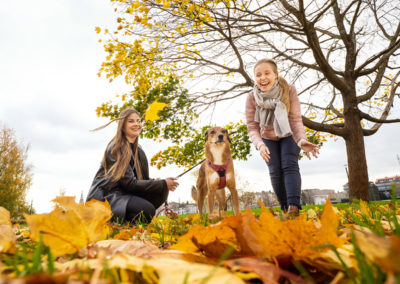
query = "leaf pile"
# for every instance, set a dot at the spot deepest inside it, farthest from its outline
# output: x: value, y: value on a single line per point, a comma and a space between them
x: 75, y: 242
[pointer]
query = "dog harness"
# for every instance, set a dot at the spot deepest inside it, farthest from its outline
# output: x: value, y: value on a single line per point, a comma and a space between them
x: 220, y: 169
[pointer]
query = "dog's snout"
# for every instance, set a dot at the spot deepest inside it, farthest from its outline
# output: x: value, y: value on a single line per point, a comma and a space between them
x: 221, y: 136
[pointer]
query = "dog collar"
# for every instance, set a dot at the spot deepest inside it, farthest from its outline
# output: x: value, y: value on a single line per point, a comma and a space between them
x: 220, y: 169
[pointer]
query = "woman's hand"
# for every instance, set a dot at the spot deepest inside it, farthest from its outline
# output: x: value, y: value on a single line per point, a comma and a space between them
x: 171, y: 184
x: 309, y: 147
x: 264, y: 152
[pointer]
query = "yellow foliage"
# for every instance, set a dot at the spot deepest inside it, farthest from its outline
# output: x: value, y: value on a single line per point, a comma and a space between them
x: 70, y: 226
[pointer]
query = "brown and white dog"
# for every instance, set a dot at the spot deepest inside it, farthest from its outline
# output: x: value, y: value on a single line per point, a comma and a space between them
x: 216, y: 173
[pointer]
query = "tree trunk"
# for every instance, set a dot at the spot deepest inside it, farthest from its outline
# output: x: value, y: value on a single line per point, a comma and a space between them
x: 356, y: 159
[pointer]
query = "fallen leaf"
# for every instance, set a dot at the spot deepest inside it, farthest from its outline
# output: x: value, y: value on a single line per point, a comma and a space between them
x: 299, y: 238
x: 7, y: 236
x: 384, y: 251
x: 70, y: 226
x: 162, y: 271
x: 267, y: 272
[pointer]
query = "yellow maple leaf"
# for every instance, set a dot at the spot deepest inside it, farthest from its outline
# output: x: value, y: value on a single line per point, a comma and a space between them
x: 152, y: 111
x: 70, y: 226
x: 7, y: 236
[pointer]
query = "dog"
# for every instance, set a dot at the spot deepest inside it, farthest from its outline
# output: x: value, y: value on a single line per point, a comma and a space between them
x: 216, y: 173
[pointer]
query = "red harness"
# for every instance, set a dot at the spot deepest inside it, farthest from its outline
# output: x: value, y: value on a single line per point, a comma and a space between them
x: 220, y: 169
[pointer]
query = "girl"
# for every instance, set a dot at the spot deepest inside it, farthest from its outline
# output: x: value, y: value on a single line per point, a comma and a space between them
x: 123, y: 177
x: 275, y: 127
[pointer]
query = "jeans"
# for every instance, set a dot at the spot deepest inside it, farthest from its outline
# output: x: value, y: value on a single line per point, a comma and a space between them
x: 142, y: 206
x: 284, y: 171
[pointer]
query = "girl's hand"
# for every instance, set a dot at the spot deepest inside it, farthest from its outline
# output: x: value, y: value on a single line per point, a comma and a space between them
x: 264, y: 152
x: 309, y: 147
x: 171, y: 184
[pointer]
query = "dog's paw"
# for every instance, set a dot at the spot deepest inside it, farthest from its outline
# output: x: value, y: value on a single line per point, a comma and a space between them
x: 213, y: 217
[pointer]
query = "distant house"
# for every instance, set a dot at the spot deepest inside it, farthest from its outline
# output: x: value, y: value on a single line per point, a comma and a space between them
x: 340, y: 196
x: 320, y: 199
x: 384, y: 186
x: 190, y: 208
x: 315, y: 196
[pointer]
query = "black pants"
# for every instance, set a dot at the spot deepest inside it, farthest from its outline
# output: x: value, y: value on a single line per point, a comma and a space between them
x: 284, y: 170
x: 142, y: 206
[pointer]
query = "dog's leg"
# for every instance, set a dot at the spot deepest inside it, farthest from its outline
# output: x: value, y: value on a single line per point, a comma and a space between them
x: 201, y: 196
x: 235, y: 199
x: 211, y: 202
x: 202, y: 189
x: 221, y: 202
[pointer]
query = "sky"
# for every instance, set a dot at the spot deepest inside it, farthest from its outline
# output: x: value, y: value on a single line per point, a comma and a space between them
x: 49, y: 90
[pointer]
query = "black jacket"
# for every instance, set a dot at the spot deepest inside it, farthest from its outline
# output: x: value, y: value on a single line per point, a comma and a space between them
x: 118, y: 193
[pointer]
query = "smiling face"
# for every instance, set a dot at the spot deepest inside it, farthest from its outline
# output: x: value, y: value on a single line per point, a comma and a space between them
x: 266, y: 75
x: 132, y: 127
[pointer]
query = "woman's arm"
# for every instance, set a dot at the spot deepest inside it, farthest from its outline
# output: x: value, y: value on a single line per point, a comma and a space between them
x: 295, y: 118
x: 253, y: 127
x: 130, y: 183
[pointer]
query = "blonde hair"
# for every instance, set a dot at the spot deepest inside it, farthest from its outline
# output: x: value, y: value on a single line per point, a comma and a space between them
x: 283, y: 84
x: 121, y: 150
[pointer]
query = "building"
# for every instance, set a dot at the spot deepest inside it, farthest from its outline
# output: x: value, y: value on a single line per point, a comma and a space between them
x: 384, y: 186
x: 373, y: 191
x: 315, y: 196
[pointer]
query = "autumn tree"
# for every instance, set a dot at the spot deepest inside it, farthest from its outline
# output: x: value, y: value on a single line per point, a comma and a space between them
x: 15, y: 176
x: 342, y: 56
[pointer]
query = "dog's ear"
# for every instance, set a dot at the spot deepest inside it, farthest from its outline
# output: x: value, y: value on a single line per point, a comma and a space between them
x: 229, y: 139
x: 206, y: 135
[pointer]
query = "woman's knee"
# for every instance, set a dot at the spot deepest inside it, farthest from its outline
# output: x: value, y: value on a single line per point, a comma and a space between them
x: 140, y: 210
x: 290, y: 164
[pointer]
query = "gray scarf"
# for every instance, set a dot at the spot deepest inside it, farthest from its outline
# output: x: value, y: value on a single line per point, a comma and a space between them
x: 271, y: 110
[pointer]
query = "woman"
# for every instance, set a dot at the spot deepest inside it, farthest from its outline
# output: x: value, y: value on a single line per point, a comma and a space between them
x: 123, y: 177
x: 275, y: 127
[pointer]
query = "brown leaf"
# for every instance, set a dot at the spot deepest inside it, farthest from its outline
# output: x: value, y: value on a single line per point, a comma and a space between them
x: 267, y: 272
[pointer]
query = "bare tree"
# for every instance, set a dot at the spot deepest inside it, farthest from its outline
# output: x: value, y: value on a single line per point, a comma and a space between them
x: 342, y: 55
x: 307, y: 196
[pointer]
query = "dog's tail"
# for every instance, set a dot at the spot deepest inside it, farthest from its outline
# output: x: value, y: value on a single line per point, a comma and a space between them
x: 194, y: 193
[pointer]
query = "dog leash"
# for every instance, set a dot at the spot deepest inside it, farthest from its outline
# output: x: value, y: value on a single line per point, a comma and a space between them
x: 167, y: 210
x: 178, y: 176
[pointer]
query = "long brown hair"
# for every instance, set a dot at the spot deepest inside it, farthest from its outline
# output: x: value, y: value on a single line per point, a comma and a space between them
x: 283, y: 85
x: 121, y: 150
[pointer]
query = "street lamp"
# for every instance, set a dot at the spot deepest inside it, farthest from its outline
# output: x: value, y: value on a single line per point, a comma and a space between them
x: 347, y: 172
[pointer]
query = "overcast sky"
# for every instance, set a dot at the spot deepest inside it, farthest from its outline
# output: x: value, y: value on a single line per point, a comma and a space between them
x: 49, y: 90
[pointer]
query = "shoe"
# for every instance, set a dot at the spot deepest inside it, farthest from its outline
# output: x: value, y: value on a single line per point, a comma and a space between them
x: 293, y: 211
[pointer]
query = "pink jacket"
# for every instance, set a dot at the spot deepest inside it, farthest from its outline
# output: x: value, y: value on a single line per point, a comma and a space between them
x: 267, y: 132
